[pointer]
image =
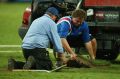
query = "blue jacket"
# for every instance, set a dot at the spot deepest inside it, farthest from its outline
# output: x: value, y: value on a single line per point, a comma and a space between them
x: 65, y: 28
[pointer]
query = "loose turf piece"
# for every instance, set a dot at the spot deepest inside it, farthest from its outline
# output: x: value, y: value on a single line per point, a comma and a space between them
x: 84, y: 62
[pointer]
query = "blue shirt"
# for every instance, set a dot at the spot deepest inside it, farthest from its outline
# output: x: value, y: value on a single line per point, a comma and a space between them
x: 64, y: 30
x: 41, y: 32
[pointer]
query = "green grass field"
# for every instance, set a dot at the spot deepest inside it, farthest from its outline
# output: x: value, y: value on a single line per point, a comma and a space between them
x: 10, y: 20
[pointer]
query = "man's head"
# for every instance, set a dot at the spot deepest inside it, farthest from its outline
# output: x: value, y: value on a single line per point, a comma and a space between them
x: 53, y: 12
x: 78, y: 17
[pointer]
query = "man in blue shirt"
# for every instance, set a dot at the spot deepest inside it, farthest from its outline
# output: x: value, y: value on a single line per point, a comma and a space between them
x: 42, y: 31
x: 73, y: 30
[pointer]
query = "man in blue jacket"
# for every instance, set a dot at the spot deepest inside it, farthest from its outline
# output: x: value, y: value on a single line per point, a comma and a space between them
x: 73, y: 30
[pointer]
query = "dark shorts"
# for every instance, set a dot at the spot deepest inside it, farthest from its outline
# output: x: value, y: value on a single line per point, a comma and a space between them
x: 76, y: 41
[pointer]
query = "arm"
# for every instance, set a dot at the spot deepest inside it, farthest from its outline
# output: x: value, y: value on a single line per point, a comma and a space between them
x: 63, y: 30
x: 56, y: 41
x: 58, y: 46
x: 68, y: 48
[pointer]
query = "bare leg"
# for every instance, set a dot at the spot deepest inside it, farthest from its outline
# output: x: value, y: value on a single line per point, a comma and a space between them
x: 89, y: 48
x: 94, y: 46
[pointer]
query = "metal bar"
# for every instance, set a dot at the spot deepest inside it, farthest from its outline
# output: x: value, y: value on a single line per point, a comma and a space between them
x: 48, y: 71
x: 78, y: 5
x: 22, y: 70
x: 58, y: 68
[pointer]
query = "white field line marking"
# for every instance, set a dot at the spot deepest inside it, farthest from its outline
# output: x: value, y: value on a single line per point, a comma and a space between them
x: 1, y: 46
x: 16, y: 51
x: 9, y: 51
x: 32, y: 70
x: 15, y: 46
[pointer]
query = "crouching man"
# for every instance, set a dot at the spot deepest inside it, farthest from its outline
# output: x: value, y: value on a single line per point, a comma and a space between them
x: 74, y: 31
x: 42, y: 31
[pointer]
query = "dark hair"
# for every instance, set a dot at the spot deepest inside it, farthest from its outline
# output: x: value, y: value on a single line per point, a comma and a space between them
x: 79, y: 13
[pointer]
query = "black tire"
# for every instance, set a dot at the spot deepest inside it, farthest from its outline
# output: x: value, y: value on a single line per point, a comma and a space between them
x: 111, y: 54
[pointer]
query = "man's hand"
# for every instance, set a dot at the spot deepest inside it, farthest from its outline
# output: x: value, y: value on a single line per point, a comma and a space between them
x: 92, y: 58
x: 73, y: 56
x: 61, y: 57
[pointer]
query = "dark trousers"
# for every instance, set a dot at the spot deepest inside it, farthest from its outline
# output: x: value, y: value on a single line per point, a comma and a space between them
x: 42, y: 59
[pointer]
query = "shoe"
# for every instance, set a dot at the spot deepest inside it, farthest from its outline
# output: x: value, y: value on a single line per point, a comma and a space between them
x: 29, y: 63
x: 58, y: 63
x: 11, y: 64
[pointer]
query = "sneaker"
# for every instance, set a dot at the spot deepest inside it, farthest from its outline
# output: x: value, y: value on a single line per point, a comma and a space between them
x: 11, y: 63
x: 29, y: 63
